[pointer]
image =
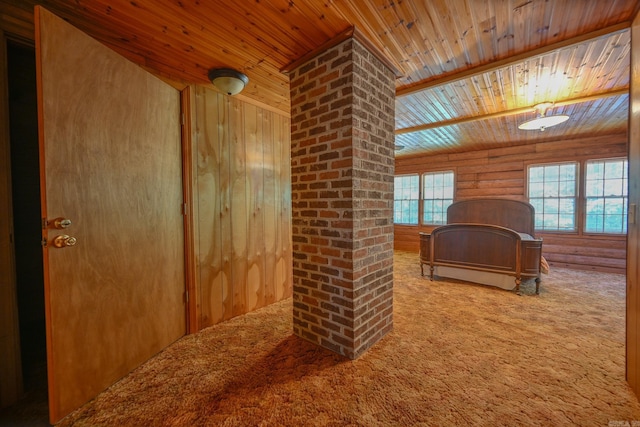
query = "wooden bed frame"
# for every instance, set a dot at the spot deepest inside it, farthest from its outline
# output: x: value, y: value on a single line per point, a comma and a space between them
x: 486, y: 235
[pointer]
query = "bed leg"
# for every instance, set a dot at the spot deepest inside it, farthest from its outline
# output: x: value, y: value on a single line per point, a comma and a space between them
x: 518, y: 286
x: 431, y: 271
x: 422, y: 269
x: 537, y: 286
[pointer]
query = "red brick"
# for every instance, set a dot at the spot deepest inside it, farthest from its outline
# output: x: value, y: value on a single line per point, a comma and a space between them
x: 342, y: 171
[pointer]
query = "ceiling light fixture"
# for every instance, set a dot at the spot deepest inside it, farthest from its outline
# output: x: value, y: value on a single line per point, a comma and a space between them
x: 228, y: 80
x: 543, y: 121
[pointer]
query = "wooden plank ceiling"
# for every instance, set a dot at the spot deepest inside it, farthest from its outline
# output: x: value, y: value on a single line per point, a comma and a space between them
x: 469, y: 71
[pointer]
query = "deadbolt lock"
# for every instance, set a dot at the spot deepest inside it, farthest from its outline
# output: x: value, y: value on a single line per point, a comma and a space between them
x: 63, y: 241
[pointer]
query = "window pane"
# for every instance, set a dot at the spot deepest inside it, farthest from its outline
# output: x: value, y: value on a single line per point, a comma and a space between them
x: 593, y: 189
x: 567, y: 188
x: 438, y: 192
x: 448, y: 182
x: 566, y: 222
x: 552, y: 173
x: 595, y: 171
x: 537, y: 203
x: 413, y: 210
x: 551, y: 206
x: 536, y: 174
x: 595, y: 206
x: 568, y: 172
x: 437, y: 195
x: 536, y: 189
x: 613, y: 187
x: 613, y: 169
x: 567, y: 206
x: 594, y: 222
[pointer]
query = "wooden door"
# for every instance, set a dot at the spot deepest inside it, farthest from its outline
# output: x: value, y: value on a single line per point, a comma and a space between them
x: 111, y: 163
x: 633, y: 232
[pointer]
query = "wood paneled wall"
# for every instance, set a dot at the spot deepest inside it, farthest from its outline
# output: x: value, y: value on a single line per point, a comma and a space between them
x: 503, y: 173
x: 242, y: 207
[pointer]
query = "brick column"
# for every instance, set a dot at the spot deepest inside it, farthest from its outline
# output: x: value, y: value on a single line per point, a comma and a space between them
x: 342, y: 167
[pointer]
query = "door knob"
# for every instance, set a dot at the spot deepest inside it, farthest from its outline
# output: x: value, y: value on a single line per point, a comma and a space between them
x: 61, y: 223
x: 64, y: 241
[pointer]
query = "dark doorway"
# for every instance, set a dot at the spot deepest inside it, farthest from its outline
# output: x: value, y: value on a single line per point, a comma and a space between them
x: 25, y: 187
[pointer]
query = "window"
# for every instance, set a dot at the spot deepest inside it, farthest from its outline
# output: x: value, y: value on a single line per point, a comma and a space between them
x: 406, y: 196
x: 552, y: 192
x: 437, y: 195
x: 606, y: 183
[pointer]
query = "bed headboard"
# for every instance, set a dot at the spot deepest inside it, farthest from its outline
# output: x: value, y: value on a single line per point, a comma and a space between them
x: 513, y: 214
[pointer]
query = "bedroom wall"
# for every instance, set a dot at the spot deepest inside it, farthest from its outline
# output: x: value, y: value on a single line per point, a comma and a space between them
x: 242, y: 206
x: 502, y: 173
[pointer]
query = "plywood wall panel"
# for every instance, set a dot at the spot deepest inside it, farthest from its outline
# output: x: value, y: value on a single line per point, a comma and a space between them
x: 223, y: 125
x: 242, y: 207
x: 282, y: 172
x: 502, y: 173
x: 239, y: 211
x: 209, y: 172
x: 268, y: 207
x: 255, y: 209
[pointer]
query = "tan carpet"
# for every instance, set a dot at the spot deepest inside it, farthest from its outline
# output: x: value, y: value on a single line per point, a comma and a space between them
x: 459, y: 354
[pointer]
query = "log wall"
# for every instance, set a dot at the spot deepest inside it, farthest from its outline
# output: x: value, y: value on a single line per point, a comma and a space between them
x: 502, y: 173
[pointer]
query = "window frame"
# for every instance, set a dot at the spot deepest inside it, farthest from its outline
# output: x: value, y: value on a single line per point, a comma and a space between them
x: 423, y: 199
x: 417, y: 176
x: 585, y: 198
x: 581, y: 201
x: 576, y: 198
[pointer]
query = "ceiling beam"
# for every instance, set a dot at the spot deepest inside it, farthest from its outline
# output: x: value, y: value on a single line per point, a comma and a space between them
x: 492, y: 66
x: 468, y: 119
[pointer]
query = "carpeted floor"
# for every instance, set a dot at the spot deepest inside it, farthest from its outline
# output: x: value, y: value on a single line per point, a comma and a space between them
x: 459, y: 354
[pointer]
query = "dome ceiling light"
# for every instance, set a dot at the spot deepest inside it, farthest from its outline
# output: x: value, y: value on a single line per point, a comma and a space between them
x: 543, y: 121
x: 228, y: 80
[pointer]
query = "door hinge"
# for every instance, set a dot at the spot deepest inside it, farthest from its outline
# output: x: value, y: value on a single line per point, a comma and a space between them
x: 184, y: 209
x: 186, y: 297
x: 44, y: 223
x: 43, y: 242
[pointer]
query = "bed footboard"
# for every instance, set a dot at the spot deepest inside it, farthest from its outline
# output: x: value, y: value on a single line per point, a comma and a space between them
x: 483, y: 247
